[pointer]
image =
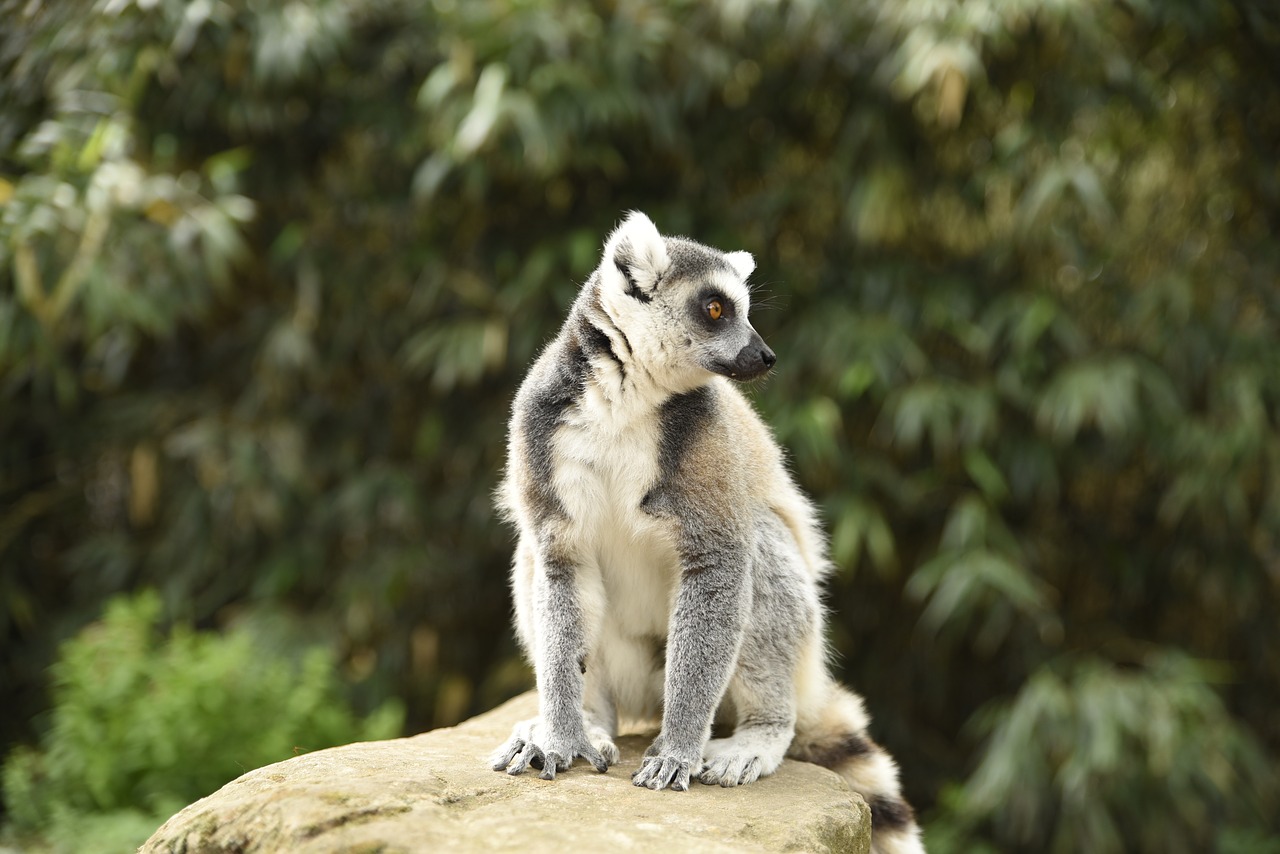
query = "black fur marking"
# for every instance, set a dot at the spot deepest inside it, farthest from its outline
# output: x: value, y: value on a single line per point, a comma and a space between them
x: 582, y: 664
x: 683, y: 416
x: 542, y: 415
x: 698, y: 308
x: 604, y: 317
x: 626, y: 342
x: 851, y: 746
x: 594, y: 340
x: 633, y: 290
x: 659, y: 644
x: 889, y: 813
x: 556, y: 566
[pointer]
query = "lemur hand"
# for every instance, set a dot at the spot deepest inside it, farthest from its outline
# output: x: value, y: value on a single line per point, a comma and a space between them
x: 663, y: 767
x: 531, y: 744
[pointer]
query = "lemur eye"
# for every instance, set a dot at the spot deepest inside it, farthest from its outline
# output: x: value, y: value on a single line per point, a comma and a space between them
x: 714, y: 309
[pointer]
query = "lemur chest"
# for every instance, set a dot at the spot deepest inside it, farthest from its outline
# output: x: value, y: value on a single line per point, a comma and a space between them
x: 603, y: 471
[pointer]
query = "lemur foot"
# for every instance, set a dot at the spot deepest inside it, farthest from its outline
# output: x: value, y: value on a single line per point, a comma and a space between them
x: 744, y: 758
x: 603, y: 743
x: 531, y: 744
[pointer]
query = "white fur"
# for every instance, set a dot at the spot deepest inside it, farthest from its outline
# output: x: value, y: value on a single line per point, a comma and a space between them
x: 876, y: 774
x: 603, y: 467
x: 735, y: 287
x: 742, y: 262
x: 744, y: 757
x: 646, y: 248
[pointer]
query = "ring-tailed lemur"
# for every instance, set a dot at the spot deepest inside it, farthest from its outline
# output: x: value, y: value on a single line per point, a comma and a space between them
x: 666, y: 561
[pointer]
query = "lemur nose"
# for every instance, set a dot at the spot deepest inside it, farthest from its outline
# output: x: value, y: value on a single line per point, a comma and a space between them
x: 767, y: 356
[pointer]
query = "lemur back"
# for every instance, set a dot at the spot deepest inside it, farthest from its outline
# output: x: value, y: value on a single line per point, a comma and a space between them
x: 667, y: 564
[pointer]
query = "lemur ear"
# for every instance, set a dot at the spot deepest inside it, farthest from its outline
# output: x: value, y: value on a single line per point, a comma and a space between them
x: 742, y: 262
x: 635, y: 255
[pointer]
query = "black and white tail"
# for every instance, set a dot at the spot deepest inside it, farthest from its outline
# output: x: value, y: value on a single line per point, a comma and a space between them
x: 836, y: 738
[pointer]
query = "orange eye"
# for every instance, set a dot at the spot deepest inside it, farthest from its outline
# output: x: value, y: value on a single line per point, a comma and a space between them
x: 714, y: 309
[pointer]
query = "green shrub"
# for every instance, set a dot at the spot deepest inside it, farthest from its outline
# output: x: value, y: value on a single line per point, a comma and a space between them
x: 144, y: 723
x: 1114, y: 745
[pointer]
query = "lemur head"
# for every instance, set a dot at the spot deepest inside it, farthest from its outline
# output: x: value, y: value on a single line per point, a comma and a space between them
x: 682, y: 306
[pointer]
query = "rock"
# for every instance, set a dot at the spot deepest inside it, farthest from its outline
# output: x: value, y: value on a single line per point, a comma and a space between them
x: 435, y: 793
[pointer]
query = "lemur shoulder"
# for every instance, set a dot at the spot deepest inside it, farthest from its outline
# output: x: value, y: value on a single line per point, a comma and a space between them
x: 667, y: 564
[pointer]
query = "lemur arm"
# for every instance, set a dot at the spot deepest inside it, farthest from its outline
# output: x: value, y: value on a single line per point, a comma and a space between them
x: 702, y: 644
x: 562, y: 649
x: 558, y: 735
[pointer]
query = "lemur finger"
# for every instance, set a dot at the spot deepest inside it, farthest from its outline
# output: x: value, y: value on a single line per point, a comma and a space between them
x: 667, y: 773
x: 527, y: 755
x: 658, y: 777
x: 681, y: 781
x: 506, y: 753
x: 642, y: 775
x: 676, y: 774
x: 593, y: 756
x: 713, y: 772
x: 551, y: 764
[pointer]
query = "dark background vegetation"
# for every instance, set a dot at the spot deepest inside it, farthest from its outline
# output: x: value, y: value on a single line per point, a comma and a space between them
x: 270, y: 274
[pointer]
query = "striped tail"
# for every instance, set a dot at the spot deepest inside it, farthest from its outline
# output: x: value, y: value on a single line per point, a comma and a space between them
x: 836, y: 738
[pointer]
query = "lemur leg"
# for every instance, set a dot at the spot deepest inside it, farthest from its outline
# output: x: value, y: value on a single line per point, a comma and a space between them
x: 566, y: 607
x: 762, y: 690
x: 766, y: 724
x: 600, y: 714
x: 702, y: 644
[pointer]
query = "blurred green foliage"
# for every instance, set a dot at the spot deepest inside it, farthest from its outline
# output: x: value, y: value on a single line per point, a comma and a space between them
x: 145, y: 722
x: 270, y: 274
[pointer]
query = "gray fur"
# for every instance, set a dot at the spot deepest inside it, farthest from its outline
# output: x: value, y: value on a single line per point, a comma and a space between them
x: 666, y: 562
x: 540, y: 409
